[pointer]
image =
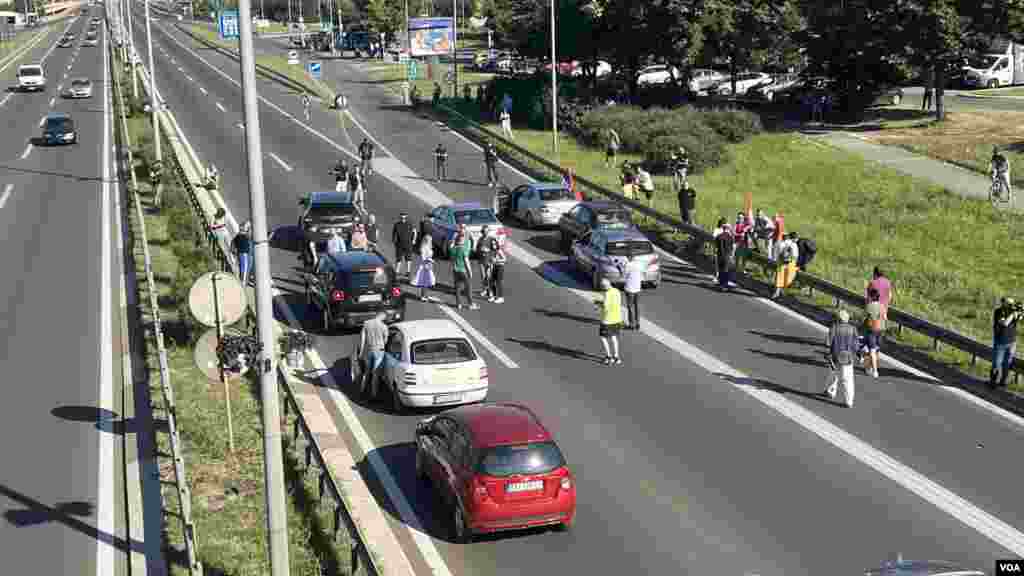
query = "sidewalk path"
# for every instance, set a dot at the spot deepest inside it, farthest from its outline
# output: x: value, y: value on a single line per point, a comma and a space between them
x: 957, y: 180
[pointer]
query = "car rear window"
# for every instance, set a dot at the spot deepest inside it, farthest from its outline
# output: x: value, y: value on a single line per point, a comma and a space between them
x: 474, y: 217
x: 556, y: 194
x: 60, y: 124
x: 363, y: 279
x: 623, y: 248
x: 613, y: 219
x: 535, y: 458
x: 80, y: 83
x: 442, y: 351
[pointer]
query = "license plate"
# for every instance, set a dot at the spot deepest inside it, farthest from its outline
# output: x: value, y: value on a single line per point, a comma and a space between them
x: 531, y: 486
x: 447, y: 398
x: 370, y: 298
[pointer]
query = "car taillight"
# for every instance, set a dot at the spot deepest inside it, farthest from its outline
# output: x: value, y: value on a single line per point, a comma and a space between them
x: 483, y: 374
x: 566, y: 483
x: 502, y: 231
x: 479, y: 488
x: 338, y: 296
x: 395, y: 292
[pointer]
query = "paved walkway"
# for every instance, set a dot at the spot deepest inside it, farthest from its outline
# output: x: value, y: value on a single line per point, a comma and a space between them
x: 957, y: 180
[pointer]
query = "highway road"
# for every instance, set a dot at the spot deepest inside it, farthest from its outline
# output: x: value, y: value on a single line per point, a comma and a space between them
x: 710, y: 451
x: 57, y: 486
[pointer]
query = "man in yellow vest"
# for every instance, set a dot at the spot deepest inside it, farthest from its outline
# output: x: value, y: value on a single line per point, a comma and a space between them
x: 611, y: 322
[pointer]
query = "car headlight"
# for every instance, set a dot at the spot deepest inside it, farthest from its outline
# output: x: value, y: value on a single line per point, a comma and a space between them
x: 314, y: 228
x: 69, y: 136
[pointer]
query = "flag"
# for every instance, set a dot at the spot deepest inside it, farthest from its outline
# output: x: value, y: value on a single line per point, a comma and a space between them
x: 748, y: 204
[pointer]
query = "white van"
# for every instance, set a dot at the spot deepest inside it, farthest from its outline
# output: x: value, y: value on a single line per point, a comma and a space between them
x: 30, y: 77
x: 1003, y: 65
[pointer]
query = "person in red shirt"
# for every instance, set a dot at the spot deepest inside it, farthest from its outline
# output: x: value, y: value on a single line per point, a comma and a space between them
x: 742, y: 231
x: 569, y: 179
x: 884, y: 288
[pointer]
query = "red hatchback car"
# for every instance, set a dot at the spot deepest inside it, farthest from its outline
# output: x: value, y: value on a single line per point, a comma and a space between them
x: 495, y: 467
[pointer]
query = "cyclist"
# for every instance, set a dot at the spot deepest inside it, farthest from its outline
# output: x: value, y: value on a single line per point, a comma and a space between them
x: 366, y: 155
x: 305, y: 105
x: 212, y: 176
x: 1000, y: 168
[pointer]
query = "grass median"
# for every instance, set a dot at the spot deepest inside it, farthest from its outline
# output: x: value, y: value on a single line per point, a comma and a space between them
x: 950, y: 258
x: 228, y: 506
x: 393, y: 74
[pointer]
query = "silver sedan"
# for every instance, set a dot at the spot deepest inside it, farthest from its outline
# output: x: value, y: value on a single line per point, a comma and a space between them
x: 79, y: 88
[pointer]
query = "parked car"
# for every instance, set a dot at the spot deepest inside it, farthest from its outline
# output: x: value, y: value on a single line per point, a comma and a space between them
x: 795, y: 92
x: 426, y: 363
x: 59, y: 128
x: 922, y: 568
x: 703, y: 78
x: 348, y: 289
x: 767, y: 92
x: 65, y: 43
x: 90, y: 41
x: 656, y: 74
x: 603, y: 254
x: 79, y: 88
x: 588, y: 216
x: 744, y: 82
x: 324, y: 213
x: 442, y: 223
x: 495, y: 467
x: 603, y: 68
x: 31, y: 78
x: 537, y: 203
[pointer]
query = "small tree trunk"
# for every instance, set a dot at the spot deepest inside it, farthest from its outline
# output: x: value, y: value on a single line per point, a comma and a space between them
x: 939, y: 76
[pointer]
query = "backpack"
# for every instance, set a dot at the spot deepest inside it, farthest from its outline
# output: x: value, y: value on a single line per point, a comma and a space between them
x: 808, y: 249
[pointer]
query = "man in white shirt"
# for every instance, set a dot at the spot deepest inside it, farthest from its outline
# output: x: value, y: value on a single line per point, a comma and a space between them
x: 633, y: 278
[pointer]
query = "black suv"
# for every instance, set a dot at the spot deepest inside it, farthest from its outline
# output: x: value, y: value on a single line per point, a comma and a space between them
x: 350, y: 288
x: 326, y: 212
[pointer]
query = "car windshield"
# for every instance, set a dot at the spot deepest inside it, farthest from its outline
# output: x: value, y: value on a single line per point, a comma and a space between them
x: 474, y: 217
x: 59, y: 124
x: 535, y: 458
x: 328, y: 210
x: 552, y: 194
x: 613, y: 220
x: 983, y: 62
x: 364, y: 279
x: 80, y: 83
x: 624, y: 247
x: 31, y: 71
x: 442, y: 351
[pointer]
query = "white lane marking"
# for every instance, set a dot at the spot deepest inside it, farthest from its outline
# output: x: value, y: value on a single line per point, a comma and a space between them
x: 4, y: 101
x: 105, y: 458
x: 180, y: 69
x: 479, y: 337
x: 189, y: 78
x: 59, y: 87
x: 280, y: 162
x: 203, y: 90
x: 53, y: 101
x: 28, y: 150
x: 7, y: 193
x: 219, y: 107
x: 41, y: 122
x: 69, y: 66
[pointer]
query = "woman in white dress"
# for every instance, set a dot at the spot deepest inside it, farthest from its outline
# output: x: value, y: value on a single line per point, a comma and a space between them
x: 425, y: 278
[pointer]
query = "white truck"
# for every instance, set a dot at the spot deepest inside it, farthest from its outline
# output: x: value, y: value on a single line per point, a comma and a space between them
x: 31, y: 78
x: 1001, y: 65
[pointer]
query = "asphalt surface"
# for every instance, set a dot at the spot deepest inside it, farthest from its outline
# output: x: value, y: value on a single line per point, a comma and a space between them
x: 50, y: 346
x: 965, y: 100
x: 678, y: 471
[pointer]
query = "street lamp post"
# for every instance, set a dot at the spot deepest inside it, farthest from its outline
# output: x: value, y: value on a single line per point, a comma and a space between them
x: 154, y: 98
x: 554, y: 85
x: 455, y: 48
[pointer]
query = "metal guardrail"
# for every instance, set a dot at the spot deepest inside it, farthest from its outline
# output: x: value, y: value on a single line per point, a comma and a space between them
x: 180, y: 481
x: 186, y: 164
x: 529, y: 162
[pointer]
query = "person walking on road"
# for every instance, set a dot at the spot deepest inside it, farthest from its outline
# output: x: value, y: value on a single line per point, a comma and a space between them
x: 497, y: 269
x: 372, y: 339
x: 484, y: 258
x: 403, y: 236
x: 305, y: 105
x: 786, y: 255
x: 506, y: 124
x: 366, y: 156
x: 1004, y: 340
x: 874, y: 325
x: 242, y: 246
x: 355, y: 187
x: 633, y: 280
x: 440, y: 162
x: 611, y: 322
x: 743, y: 232
x: 881, y: 284
x: 359, y: 240
x: 372, y: 233
x: 491, y: 164
x: 462, y: 273
x: 611, y: 149
x: 842, y: 351
x: 425, y: 278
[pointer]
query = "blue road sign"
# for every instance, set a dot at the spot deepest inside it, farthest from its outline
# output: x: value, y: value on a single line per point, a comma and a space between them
x: 228, y: 24
x: 315, y: 70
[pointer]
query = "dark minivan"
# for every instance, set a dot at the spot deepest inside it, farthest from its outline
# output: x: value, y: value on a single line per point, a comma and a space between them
x: 348, y: 289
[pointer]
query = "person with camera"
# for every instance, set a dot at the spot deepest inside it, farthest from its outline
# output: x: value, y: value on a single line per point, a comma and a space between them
x: 1004, y: 340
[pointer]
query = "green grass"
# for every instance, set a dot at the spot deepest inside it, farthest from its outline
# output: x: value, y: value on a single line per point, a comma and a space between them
x: 1002, y: 92
x: 227, y: 489
x: 937, y: 247
x: 8, y: 47
x: 395, y: 74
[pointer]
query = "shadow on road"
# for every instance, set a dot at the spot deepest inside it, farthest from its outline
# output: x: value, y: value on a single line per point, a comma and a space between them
x: 555, y: 349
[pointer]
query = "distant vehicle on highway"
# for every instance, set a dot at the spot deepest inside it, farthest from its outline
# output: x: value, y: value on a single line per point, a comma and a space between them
x: 59, y: 128
x: 31, y: 78
x: 79, y: 88
x: 703, y: 78
x: 921, y: 568
x: 538, y: 203
x: 587, y: 216
x: 348, y: 289
x: 656, y: 74
x: 65, y: 43
x: 601, y: 68
x: 426, y: 363
x: 442, y: 223
x: 767, y: 92
x: 603, y: 254
x: 495, y: 467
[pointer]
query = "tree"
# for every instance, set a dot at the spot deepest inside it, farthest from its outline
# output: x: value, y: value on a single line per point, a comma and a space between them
x: 385, y: 16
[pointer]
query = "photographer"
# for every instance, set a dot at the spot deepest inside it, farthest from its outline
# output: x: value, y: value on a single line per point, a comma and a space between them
x: 1004, y: 340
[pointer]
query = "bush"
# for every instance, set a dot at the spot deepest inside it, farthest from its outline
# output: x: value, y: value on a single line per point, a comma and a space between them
x: 734, y: 124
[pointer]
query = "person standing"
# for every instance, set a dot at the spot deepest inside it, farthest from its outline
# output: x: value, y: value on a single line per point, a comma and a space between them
x: 372, y: 233
x: 366, y: 156
x: 242, y: 246
x: 612, y: 143
x: 874, y: 325
x: 743, y: 236
x: 491, y: 164
x: 1004, y: 340
x: 926, y: 99
x: 725, y: 254
x: 764, y: 232
x: 842, y: 345
x: 646, y: 183
x: 425, y: 278
x: 506, y: 124
x: 807, y: 248
x: 355, y: 187
x: 461, y: 271
x: 483, y: 256
x: 778, y: 232
x: 633, y: 283
x: 497, y: 269
x: 403, y: 236
x: 687, y: 198
x: 336, y: 244
x: 786, y: 254
x: 880, y: 283
x: 372, y: 338
x: 611, y: 321
x: 440, y: 162
x: 628, y: 179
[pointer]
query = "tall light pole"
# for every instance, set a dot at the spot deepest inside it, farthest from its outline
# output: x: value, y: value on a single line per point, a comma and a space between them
x: 455, y: 48
x: 154, y: 105
x: 554, y: 84
x: 131, y: 49
x: 273, y: 457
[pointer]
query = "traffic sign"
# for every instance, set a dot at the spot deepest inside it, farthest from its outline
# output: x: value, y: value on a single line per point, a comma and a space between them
x: 293, y: 57
x: 228, y: 24
x: 314, y: 70
x: 411, y: 67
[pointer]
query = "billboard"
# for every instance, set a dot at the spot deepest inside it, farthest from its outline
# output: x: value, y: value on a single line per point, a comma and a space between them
x: 430, y: 36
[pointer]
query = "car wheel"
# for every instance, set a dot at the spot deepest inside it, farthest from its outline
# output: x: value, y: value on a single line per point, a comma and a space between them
x: 460, y: 532
x: 595, y: 279
x: 654, y: 285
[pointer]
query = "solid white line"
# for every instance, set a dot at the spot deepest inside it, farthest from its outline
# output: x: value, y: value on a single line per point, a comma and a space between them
x: 479, y: 337
x: 53, y: 101
x: 282, y: 163
x: 28, y: 150
x: 105, y: 458
x: 41, y: 122
x: 7, y: 192
x: 219, y: 107
x: 190, y: 79
x: 4, y: 101
x: 203, y: 90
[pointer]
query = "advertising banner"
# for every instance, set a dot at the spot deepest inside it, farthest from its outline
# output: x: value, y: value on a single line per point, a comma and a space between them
x: 431, y: 36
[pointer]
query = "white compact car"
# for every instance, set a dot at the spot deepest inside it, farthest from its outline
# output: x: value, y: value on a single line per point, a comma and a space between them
x: 79, y: 88
x: 426, y: 363
x: 656, y: 74
x: 31, y: 77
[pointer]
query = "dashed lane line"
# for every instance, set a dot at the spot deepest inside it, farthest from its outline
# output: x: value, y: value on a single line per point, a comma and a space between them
x: 220, y: 107
x: 280, y: 162
x: 28, y: 150
x: 7, y: 193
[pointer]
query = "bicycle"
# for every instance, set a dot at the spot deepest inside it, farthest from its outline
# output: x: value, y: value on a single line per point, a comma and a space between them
x: 1000, y: 193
